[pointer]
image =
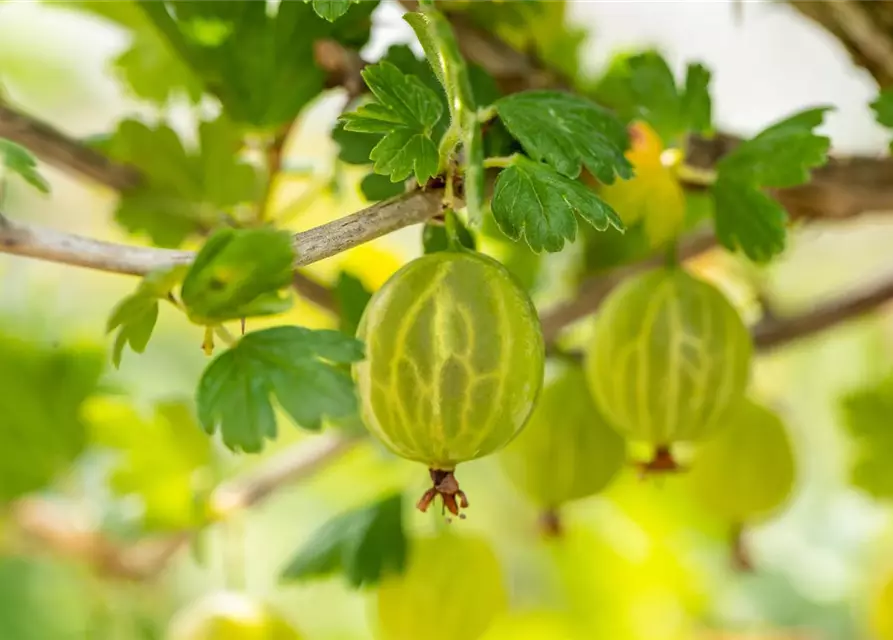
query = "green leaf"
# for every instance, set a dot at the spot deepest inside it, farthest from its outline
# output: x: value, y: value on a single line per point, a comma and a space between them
x: 42, y: 388
x: 155, y: 459
x: 377, y: 187
x: 294, y: 364
x: 642, y: 87
x: 135, y: 315
x: 696, y: 103
x: 406, y: 111
x: 17, y: 159
x: 567, y: 132
x: 213, y: 36
x: 239, y: 274
x: 866, y: 417
x: 43, y: 598
x: 532, y: 201
x: 781, y: 155
x: 354, y: 148
x: 184, y: 191
x: 365, y: 545
x: 749, y: 220
x: 331, y: 10
x: 352, y: 298
x: 434, y: 237
x: 150, y: 67
x: 883, y: 108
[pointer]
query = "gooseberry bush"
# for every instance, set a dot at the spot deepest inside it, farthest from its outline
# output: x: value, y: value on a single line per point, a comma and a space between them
x: 562, y: 316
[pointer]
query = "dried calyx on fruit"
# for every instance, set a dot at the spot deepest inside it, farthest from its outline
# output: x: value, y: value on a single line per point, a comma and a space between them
x: 669, y: 356
x: 454, y: 364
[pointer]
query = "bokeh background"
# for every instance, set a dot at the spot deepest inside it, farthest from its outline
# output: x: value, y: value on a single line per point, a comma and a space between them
x: 639, y: 562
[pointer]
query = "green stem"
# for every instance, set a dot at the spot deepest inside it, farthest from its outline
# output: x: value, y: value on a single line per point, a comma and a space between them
x: 486, y: 114
x: 695, y: 176
x: 500, y: 162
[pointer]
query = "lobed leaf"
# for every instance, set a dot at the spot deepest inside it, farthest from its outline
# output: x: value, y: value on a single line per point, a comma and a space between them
x: 183, y: 191
x: 866, y: 417
x: 293, y: 364
x: 135, y: 315
x: 782, y: 155
x: 18, y: 160
x: 533, y: 201
x: 748, y: 219
x: 406, y: 112
x: 42, y: 390
x: 365, y: 545
x: 567, y: 132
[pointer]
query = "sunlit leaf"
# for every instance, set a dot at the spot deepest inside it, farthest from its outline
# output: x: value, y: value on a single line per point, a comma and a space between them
x: 294, y: 364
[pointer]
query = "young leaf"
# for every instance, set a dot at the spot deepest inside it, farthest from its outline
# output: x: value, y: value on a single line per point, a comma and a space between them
x: 567, y: 132
x: 352, y: 298
x: 42, y: 389
x: 294, y: 364
x: 866, y: 416
x: 780, y: 156
x: 17, y: 159
x: 239, y: 274
x: 135, y: 315
x: 155, y: 459
x: 531, y: 200
x: 365, y: 545
x: 331, y: 10
x: 406, y: 111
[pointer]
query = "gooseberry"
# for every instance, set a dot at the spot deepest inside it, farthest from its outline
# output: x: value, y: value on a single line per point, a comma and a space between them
x: 230, y: 615
x: 531, y: 625
x: 567, y: 450
x: 669, y: 355
x: 454, y: 364
x: 452, y: 588
x: 746, y: 471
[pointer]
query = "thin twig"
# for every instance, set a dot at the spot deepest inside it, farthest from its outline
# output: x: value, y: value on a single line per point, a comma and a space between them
x: 311, y: 246
x: 53, y: 526
x: 64, y: 152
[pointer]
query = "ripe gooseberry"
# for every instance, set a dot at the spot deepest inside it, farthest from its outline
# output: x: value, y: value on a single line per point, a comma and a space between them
x: 229, y: 616
x: 669, y: 355
x: 454, y: 364
x: 567, y: 450
x: 452, y: 588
